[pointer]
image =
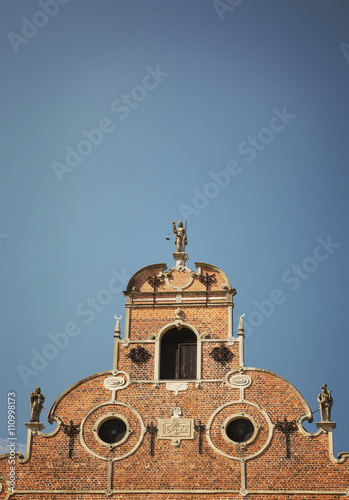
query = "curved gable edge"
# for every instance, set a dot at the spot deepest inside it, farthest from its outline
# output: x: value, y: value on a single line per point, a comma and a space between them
x: 131, y: 281
x: 51, y: 417
x: 215, y: 268
x: 308, y: 415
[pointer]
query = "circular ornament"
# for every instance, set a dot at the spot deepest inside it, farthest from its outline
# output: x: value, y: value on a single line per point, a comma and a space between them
x: 239, y: 381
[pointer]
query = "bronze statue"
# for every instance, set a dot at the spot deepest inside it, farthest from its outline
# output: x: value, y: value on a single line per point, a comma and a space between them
x: 326, y: 402
x: 36, y: 404
x: 181, y: 236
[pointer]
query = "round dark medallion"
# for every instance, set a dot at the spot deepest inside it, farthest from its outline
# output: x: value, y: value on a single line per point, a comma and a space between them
x: 240, y: 430
x: 112, y: 430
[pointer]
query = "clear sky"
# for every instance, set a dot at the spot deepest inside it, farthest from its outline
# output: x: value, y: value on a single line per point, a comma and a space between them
x: 119, y: 117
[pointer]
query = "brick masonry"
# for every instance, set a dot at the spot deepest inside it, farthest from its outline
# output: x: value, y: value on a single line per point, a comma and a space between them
x: 205, y: 466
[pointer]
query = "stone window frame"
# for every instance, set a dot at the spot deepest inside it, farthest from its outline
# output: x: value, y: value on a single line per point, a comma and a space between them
x: 177, y: 325
x: 103, y: 419
x: 239, y: 416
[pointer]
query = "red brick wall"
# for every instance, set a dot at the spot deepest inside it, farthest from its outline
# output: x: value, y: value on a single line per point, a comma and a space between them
x: 182, y: 469
x: 211, y: 320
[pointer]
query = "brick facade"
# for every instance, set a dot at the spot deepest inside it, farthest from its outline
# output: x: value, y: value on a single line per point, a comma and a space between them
x: 175, y: 436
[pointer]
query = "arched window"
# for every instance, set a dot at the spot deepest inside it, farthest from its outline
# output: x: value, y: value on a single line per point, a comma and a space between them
x: 178, y: 355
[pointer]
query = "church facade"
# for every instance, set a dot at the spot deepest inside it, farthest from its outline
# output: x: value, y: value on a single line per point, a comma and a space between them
x: 179, y: 416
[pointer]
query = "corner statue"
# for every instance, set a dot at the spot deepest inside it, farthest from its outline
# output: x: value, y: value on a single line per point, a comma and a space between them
x: 181, y: 236
x: 326, y: 402
x: 36, y: 403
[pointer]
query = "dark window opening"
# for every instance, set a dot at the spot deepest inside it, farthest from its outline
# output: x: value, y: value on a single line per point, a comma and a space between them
x: 240, y: 430
x: 112, y: 430
x: 178, y: 355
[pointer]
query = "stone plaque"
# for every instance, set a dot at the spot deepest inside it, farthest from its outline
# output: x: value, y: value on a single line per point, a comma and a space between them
x: 176, y: 429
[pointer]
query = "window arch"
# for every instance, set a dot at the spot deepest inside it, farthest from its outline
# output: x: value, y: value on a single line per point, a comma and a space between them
x: 178, y: 354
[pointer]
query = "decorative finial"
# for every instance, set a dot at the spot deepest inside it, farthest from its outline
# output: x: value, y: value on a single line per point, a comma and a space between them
x: 117, y: 331
x: 241, y: 324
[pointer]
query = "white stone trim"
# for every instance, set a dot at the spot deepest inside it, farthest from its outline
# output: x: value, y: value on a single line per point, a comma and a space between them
x: 327, y: 427
x: 230, y: 323
x: 32, y: 433
x: 173, y: 300
x: 127, y: 321
x: 232, y: 403
x: 241, y: 415
x: 130, y: 452
x: 178, y: 288
x: 109, y: 416
x: 177, y: 387
x: 183, y: 492
x: 152, y: 341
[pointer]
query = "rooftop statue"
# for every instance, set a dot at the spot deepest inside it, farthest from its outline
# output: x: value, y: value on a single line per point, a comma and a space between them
x: 36, y: 404
x: 326, y: 401
x: 181, y: 236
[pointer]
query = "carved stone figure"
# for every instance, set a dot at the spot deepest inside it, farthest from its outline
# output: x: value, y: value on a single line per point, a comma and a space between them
x: 36, y: 403
x: 326, y: 402
x: 181, y: 237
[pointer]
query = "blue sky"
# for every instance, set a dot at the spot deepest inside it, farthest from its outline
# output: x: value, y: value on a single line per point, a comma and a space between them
x: 119, y: 117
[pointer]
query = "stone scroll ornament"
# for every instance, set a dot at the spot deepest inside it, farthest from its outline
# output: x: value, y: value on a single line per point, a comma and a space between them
x: 36, y: 404
x: 239, y: 381
x: 120, y: 380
